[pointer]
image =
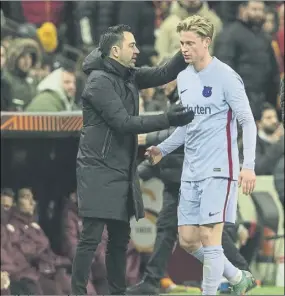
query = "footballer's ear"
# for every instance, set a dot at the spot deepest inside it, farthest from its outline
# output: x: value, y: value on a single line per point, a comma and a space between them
x: 208, y: 41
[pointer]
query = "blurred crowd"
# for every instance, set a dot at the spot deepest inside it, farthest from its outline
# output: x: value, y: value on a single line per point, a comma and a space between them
x: 43, y: 44
x: 29, y: 265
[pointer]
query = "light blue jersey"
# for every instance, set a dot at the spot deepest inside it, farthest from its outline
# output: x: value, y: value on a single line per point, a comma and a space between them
x: 217, y: 96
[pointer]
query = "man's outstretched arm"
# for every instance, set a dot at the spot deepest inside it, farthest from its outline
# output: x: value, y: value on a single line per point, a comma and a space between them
x: 147, y: 77
x: 107, y: 104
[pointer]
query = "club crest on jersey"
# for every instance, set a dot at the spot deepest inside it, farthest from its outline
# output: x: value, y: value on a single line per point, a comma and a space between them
x: 207, y: 91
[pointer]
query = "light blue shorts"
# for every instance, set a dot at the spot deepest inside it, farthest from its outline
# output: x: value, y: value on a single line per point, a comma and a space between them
x: 212, y: 200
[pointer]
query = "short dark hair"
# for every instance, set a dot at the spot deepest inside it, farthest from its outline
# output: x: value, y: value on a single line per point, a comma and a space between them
x: 264, y: 107
x: 112, y: 36
x: 8, y: 192
x: 267, y: 106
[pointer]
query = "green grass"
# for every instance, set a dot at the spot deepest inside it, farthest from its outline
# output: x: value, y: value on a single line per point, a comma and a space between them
x: 257, y: 291
x: 267, y: 291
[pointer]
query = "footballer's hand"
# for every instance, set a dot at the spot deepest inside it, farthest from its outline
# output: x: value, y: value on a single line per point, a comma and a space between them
x: 246, y: 180
x: 153, y: 154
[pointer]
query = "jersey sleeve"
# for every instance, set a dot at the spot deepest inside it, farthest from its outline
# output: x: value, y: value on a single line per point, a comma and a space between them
x: 238, y: 101
x: 177, y: 138
x: 174, y: 141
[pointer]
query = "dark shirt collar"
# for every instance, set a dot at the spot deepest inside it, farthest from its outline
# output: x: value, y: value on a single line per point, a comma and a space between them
x: 120, y: 70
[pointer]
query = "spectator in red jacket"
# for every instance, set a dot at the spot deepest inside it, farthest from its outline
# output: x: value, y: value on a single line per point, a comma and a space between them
x: 23, y: 278
x: 36, y: 247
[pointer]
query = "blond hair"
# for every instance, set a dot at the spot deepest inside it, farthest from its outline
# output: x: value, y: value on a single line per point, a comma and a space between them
x: 198, y: 24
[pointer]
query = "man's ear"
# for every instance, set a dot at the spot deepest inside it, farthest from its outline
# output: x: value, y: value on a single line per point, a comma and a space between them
x: 115, y: 51
x: 208, y: 41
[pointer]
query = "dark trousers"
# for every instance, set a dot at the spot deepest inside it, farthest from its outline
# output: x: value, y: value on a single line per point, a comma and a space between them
x: 250, y: 249
x: 231, y: 251
x: 167, y: 236
x: 118, y: 238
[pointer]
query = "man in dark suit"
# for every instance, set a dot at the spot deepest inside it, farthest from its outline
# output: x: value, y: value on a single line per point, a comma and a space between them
x: 107, y: 182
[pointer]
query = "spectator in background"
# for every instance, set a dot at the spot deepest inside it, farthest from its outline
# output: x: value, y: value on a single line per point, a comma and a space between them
x: 94, y: 18
x: 280, y: 33
x: 279, y: 169
x: 36, y: 247
x: 46, y: 35
x: 27, y: 31
x: 245, y: 47
x: 271, y: 27
x: 35, y: 12
x: 226, y: 10
x: 23, y: 55
x: 7, y: 198
x: 60, y: 14
x: 278, y: 175
x: 271, y: 22
x: 44, y: 69
x: 23, y: 278
x: 6, y: 91
x: 141, y: 17
x: 55, y: 93
x: 5, y: 41
x: 171, y: 93
x: 150, y: 105
x: 167, y: 42
x: 162, y: 9
x: 270, y: 141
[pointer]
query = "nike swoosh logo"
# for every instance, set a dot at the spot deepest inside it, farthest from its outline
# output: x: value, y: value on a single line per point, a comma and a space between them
x: 182, y: 91
x: 213, y: 214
